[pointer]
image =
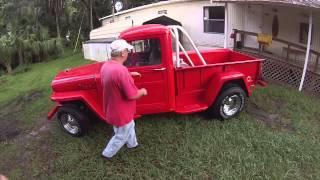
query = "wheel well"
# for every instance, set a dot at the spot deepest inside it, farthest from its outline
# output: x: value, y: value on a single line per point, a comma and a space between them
x: 79, y: 104
x: 212, y: 111
x: 236, y: 82
x: 82, y: 107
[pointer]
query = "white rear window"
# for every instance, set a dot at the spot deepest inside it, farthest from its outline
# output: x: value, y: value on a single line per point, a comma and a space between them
x: 97, y: 50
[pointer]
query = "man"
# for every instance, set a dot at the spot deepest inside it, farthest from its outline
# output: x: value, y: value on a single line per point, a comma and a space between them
x: 119, y: 98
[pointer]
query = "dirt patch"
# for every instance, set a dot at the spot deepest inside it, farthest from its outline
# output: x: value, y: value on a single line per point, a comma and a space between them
x: 26, y: 146
x: 31, y: 146
x: 9, y: 119
x: 274, y: 120
x: 20, y: 102
x: 8, y: 129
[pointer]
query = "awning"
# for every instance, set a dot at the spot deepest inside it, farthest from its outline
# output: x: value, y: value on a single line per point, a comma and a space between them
x: 104, y: 40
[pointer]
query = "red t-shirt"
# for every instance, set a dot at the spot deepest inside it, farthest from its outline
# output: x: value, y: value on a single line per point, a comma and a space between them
x: 118, y: 90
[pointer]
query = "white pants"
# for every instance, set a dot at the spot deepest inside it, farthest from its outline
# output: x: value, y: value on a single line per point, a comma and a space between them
x: 122, y: 135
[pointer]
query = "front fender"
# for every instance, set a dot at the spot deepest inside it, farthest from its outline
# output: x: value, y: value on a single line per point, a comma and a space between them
x: 219, y: 80
x: 87, y: 97
x: 53, y: 111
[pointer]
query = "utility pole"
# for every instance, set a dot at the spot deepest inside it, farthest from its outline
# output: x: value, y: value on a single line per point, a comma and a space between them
x: 112, y: 5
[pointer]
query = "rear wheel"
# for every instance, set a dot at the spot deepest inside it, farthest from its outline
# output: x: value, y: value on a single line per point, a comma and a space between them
x: 72, y: 120
x: 230, y: 102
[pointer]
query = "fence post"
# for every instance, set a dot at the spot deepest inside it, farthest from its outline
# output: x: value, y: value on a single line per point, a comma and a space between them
x: 260, y: 47
x: 235, y: 31
x: 288, y: 52
x: 316, y: 64
x: 242, y: 39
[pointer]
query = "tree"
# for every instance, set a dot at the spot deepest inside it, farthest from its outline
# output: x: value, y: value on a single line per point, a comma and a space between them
x: 93, y: 18
x: 20, y: 19
x: 23, y: 37
x: 6, y: 52
x: 135, y: 3
x: 30, y: 26
x: 56, y: 8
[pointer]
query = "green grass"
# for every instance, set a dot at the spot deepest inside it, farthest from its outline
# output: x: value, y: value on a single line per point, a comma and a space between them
x: 17, y: 87
x: 276, y: 137
x: 37, y: 78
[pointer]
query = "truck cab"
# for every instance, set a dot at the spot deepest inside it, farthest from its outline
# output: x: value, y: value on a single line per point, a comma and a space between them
x: 177, y: 80
x: 152, y: 58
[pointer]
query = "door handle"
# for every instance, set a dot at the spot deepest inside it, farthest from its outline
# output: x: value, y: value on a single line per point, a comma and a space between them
x: 160, y: 69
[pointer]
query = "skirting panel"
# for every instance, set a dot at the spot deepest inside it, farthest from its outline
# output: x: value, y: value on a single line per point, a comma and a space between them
x: 286, y: 73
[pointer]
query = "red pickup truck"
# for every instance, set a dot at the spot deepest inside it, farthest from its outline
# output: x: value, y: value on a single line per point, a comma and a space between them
x: 216, y: 80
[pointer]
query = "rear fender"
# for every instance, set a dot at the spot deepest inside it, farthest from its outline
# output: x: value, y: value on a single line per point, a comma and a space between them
x: 219, y: 80
x: 88, y: 98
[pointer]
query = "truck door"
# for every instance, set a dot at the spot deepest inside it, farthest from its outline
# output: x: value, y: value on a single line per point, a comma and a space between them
x: 146, y: 58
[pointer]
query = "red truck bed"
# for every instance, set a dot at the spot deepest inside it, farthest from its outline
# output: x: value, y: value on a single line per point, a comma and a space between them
x: 193, y: 83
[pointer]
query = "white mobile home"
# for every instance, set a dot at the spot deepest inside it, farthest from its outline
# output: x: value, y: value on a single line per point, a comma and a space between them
x: 210, y: 22
x: 204, y: 21
x: 243, y: 25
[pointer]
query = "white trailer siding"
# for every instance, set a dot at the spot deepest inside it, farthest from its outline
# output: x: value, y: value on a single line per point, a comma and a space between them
x: 248, y: 17
x: 188, y: 13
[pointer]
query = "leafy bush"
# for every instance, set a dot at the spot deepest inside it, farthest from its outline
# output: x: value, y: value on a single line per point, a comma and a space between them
x: 2, y: 72
x: 7, y: 50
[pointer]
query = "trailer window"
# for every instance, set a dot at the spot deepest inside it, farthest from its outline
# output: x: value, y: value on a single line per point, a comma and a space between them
x: 145, y: 53
x: 213, y: 19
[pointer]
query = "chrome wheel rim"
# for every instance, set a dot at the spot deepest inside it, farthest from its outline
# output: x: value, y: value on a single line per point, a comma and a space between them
x: 70, y: 124
x: 231, y: 105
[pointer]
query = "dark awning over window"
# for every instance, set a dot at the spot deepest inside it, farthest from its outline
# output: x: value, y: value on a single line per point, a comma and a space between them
x: 164, y: 20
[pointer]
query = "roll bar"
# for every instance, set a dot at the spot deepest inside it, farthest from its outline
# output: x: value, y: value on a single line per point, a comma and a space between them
x: 175, y: 34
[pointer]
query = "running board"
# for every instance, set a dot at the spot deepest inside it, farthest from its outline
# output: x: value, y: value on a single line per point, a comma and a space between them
x: 191, y: 108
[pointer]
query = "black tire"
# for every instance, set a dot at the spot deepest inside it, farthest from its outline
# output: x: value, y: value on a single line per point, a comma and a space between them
x: 232, y: 94
x: 72, y: 120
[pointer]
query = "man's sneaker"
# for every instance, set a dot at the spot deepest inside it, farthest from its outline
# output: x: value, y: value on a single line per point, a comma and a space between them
x: 106, y: 158
x: 135, y: 147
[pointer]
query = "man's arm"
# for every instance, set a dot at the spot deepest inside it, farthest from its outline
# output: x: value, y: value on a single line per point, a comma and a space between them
x: 135, y: 74
x: 129, y: 88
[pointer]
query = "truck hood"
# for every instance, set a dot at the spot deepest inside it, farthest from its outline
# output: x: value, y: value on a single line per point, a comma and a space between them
x: 90, y: 69
x: 77, y: 79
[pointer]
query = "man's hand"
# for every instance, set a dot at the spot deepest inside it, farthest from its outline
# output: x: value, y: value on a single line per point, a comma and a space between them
x: 144, y: 92
x: 141, y: 92
x: 2, y: 177
x: 135, y: 74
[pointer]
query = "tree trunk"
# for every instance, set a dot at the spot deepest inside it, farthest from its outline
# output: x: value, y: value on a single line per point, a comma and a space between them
x: 9, y: 68
x: 20, y: 57
x: 39, y: 57
x: 58, y: 28
x: 95, y: 19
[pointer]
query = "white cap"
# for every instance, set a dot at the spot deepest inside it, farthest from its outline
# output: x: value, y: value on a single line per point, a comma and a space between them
x: 120, y: 45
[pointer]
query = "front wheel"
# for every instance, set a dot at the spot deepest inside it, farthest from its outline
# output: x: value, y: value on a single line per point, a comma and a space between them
x: 229, y: 104
x: 72, y: 120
